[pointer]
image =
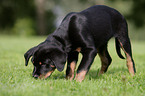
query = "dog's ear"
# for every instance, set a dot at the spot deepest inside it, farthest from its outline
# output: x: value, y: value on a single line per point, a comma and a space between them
x: 28, y: 54
x: 59, y: 59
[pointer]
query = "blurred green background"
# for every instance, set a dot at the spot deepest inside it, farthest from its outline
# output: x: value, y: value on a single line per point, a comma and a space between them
x: 42, y: 17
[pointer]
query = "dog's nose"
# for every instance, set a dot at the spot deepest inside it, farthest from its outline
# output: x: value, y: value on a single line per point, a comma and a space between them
x: 36, y: 76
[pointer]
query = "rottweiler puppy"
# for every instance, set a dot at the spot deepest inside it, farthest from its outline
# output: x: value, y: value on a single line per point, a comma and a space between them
x: 86, y: 32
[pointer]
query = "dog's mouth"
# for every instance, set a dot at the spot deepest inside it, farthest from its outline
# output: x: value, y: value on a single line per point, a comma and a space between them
x: 48, y: 74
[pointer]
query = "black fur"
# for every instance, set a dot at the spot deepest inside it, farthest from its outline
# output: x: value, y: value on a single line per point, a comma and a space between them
x: 89, y: 30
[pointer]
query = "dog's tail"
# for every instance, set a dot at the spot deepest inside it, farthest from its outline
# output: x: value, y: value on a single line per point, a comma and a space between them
x: 118, y: 49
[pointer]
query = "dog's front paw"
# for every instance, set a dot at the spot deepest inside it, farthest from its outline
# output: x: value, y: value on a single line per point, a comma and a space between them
x: 80, y: 76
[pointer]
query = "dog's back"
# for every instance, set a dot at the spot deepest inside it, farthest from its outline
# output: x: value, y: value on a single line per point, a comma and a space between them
x: 100, y: 22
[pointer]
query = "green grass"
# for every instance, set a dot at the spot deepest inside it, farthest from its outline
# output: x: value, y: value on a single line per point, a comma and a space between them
x: 16, y: 78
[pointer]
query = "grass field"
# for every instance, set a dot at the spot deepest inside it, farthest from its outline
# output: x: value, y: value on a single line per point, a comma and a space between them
x: 16, y: 79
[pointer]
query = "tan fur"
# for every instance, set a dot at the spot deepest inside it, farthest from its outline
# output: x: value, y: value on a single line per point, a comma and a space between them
x: 40, y: 63
x: 48, y: 74
x: 45, y: 76
x: 130, y: 64
x: 80, y: 76
x: 78, y: 49
x: 72, y: 69
x: 128, y: 61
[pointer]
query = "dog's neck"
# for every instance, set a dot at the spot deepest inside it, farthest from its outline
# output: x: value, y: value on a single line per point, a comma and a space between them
x: 61, y: 35
x: 60, y: 40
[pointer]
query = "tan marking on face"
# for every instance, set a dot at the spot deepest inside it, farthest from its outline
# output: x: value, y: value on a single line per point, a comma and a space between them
x: 46, y: 75
x: 70, y: 76
x: 128, y: 61
x: 40, y: 63
x: 52, y: 66
x: 78, y: 49
x: 80, y: 76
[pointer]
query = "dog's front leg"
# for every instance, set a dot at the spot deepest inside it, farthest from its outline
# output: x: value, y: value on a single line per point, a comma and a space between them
x: 87, y: 60
x: 71, y: 64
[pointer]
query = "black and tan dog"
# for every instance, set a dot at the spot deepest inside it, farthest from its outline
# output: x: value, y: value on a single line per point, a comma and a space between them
x: 87, y: 32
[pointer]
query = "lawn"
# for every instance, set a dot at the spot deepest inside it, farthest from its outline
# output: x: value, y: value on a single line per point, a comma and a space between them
x: 16, y: 79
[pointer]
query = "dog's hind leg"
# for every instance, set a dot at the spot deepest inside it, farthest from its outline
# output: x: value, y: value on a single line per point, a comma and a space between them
x: 71, y: 64
x: 125, y: 44
x: 105, y: 59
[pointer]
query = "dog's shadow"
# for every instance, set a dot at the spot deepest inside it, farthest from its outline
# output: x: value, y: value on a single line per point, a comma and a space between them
x: 93, y: 74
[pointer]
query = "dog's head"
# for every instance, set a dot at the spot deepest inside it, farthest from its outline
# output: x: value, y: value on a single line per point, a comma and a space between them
x: 46, y: 58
